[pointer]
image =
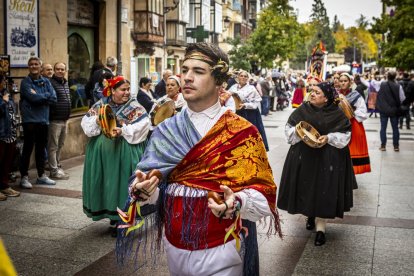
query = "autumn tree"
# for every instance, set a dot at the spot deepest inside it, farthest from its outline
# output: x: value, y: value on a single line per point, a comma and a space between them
x: 362, y: 22
x: 240, y: 55
x: 320, y: 20
x: 277, y: 34
x: 397, y: 48
x: 335, y: 24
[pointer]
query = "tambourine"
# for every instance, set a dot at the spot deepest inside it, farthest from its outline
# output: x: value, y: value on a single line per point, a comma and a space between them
x: 346, y: 107
x: 162, y: 110
x: 107, y: 120
x: 237, y: 101
x: 308, y: 134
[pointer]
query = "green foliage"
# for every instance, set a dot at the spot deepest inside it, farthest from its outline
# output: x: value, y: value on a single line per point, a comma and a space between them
x: 397, y: 49
x: 336, y: 24
x: 240, y: 54
x: 362, y: 22
x: 277, y: 34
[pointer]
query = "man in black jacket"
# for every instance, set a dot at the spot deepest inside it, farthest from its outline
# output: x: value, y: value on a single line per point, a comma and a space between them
x: 160, y: 88
x: 110, y: 68
x: 59, y: 114
x: 390, y: 96
x: 407, y: 86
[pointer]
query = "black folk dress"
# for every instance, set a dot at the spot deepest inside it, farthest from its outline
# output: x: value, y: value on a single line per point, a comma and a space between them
x: 318, y: 182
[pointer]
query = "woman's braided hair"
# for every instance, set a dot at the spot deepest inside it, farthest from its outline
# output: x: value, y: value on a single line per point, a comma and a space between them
x: 213, y: 56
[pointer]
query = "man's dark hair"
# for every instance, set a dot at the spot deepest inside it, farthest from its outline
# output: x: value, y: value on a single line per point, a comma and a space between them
x: 406, y: 75
x: 144, y: 81
x: 215, y: 54
x: 391, y: 75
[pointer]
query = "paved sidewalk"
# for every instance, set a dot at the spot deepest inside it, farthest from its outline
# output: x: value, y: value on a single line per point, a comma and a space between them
x: 46, y: 232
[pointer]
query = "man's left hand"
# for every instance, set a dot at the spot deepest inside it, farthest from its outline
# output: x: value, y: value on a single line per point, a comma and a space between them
x: 223, y: 210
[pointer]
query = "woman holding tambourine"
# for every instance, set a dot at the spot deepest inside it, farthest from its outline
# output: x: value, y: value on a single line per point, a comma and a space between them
x: 317, y: 178
x: 250, y: 100
x: 118, y: 127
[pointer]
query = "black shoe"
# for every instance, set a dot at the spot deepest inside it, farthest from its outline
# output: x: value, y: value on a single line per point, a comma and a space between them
x: 310, y: 223
x: 320, y: 238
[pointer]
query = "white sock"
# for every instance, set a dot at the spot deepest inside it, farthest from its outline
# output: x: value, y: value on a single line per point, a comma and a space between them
x: 320, y: 224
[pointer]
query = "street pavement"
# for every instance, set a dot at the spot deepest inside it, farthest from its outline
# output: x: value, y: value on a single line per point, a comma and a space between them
x: 46, y: 232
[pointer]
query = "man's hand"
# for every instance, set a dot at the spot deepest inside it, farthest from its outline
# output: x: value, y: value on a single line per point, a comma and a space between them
x: 223, y: 210
x: 144, y: 187
x: 323, y: 139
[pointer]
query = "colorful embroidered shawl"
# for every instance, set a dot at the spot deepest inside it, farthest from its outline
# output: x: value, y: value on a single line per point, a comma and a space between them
x: 232, y: 153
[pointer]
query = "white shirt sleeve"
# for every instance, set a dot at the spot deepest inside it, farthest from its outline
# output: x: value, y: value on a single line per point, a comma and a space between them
x: 338, y: 139
x: 254, y: 205
x: 364, y: 82
x: 290, y: 134
x: 360, y: 110
x: 136, y: 133
x: 90, y: 126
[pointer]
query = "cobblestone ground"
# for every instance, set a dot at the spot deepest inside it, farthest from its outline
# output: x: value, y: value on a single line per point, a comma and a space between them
x: 46, y: 232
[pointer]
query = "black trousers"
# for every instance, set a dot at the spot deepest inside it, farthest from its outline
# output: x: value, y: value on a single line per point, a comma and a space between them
x: 35, y: 134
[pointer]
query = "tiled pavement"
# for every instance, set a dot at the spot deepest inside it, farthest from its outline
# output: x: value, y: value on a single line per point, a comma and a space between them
x: 46, y: 232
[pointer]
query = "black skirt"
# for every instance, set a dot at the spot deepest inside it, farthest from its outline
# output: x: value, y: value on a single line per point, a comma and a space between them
x: 254, y: 117
x: 317, y: 182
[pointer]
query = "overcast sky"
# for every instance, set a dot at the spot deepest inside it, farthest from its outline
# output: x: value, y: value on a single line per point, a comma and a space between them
x: 348, y: 11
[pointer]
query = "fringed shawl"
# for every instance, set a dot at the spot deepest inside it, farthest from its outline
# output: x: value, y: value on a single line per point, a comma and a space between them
x: 232, y: 153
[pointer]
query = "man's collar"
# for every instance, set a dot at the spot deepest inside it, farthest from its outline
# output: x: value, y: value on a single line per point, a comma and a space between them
x: 210, y: 112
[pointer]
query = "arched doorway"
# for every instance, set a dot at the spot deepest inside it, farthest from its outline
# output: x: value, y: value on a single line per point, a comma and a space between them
x: 79, y: 63
x: 82, y: 49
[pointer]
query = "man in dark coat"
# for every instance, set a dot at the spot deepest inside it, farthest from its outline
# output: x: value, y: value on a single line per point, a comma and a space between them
x: 59, y: 114
x: 407, y: 85
x: 390, y: 96
x: 160, y: 89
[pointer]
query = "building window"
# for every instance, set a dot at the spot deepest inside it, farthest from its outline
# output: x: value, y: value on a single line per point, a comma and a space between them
x: 237, y: 29
x: 78, y: 70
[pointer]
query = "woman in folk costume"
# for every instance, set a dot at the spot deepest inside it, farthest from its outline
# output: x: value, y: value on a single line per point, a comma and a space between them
x: 336, y: 83
x: 251, y: 102
x: 173, y: 89
x: 299, y: 93
x: 207, y: 168
x: 311, y: 81
x: 226, y: 98
x: 358, y: 145
x: 109, y: 162
x: 318, y: 182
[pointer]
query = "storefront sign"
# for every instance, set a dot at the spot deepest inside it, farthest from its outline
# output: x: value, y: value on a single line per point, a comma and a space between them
x: 22, y: 31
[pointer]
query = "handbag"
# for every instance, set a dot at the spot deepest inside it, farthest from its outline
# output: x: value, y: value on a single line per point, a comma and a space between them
x: 402, y: 109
